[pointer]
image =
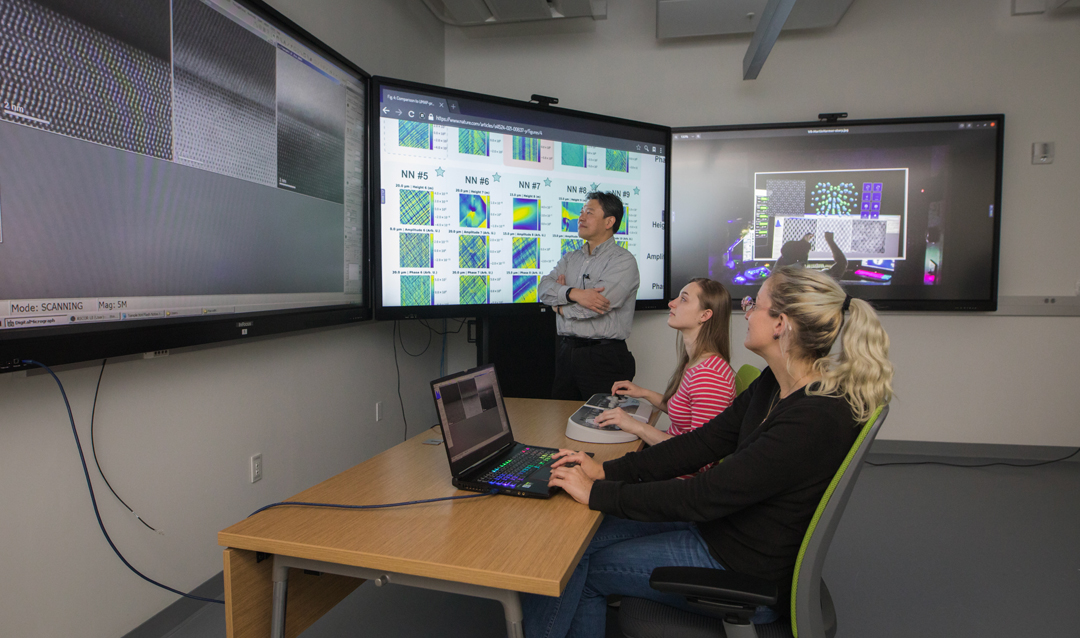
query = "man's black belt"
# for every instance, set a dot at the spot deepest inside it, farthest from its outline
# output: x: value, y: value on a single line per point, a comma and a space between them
x: 578, y: 342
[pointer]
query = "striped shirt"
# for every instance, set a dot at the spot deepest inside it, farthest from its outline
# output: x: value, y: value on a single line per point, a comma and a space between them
x: 707, y: 389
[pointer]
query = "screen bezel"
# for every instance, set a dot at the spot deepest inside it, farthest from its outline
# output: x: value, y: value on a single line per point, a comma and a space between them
x: 481, y: 310
x: 73, y: 344
x: 988, y: 304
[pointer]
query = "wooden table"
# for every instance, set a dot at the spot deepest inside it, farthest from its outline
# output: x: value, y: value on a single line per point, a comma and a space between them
x: 492, y: 546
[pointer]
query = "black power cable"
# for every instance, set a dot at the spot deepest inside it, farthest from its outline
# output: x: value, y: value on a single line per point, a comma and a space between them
x: 93, y: 449
x: 371, y: 507
x: 428, y: 345
x: 93, y: 498
x: 445, y: 332
x: 396, y: 339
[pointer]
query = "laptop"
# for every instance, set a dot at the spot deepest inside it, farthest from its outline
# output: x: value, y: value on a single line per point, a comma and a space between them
x: 479, y: 444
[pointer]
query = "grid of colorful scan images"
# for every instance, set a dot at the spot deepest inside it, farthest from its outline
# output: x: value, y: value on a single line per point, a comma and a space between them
x: 153, y: 81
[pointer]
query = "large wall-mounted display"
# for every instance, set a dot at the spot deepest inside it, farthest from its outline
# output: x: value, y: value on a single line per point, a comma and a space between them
x: 905, y: 213
x: 478, y: 197
x: 175, y: 172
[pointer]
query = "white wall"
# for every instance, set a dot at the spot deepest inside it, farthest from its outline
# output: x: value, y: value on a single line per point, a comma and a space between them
x: 174, y: 434
x: 980, y: 379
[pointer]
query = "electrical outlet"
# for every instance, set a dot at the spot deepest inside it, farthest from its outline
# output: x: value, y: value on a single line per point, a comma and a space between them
x: 256, y: 467
x: 1042, y: 153
x: 378, y: 410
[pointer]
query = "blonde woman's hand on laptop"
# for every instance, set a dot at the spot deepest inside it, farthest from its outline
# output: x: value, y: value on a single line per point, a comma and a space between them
x: 571, y: 458
x: 574, y: 480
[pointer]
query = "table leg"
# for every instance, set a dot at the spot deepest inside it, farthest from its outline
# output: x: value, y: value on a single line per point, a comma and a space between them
x: 281, y: 594
x: 511, y: 603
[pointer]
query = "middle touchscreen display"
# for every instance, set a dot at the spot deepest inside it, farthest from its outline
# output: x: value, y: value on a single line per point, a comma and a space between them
x: 478, y: 199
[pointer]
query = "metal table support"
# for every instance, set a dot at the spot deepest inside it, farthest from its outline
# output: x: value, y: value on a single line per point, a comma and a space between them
x: 510, y: 600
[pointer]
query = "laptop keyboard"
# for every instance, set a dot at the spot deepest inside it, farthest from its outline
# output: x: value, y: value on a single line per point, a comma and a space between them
x: 513, y: 471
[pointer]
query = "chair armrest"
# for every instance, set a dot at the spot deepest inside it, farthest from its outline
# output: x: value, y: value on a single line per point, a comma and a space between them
x: 714, y: 584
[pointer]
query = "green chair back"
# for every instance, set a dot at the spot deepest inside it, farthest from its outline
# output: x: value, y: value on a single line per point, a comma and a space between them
x: 744, y: 377
x: 806, y: 592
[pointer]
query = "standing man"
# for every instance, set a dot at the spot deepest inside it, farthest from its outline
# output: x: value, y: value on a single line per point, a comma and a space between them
x: 594, y: 289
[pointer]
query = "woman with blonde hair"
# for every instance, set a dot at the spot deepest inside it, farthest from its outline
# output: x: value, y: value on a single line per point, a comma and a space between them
x: 781, y: 442
x: 703, y: 384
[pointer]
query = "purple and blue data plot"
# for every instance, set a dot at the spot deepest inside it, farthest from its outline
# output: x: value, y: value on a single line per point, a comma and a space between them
x: 571, y: 211
x: 417, y: 207
x: 473, y: 211
x: 525, y: 288
x: 623, y: 243
x: 574, y: 155
x: 415, y: 134
x: 473, y: 289
x: 417, y: 290
x: 526, y: 213
x: 473, y: 251
x: 569, y: 245
x: 417, y: 250
x: 526, y: 149
x: 871, y: 200
x: 526, y: 252
x: 618, y: 161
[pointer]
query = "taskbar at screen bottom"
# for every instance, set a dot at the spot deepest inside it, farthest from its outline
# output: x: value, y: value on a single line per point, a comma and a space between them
x: 73, y: 344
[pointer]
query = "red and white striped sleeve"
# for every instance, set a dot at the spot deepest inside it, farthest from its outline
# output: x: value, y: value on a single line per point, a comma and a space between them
x: 711, y: 390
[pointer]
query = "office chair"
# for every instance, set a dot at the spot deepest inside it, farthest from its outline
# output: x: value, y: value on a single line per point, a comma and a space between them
x: 729, y: 599
x: 745, y: 376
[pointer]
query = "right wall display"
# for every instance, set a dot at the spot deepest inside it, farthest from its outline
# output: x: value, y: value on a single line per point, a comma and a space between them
x: 904, y: 213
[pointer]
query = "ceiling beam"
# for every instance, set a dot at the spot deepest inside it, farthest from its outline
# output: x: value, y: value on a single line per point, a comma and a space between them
x: 768, y: 29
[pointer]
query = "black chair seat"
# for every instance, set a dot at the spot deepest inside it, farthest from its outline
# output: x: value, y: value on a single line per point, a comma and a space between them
x: 642, y: 618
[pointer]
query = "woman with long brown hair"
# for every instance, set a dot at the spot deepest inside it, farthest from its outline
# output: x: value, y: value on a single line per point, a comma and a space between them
x: 703, y: 384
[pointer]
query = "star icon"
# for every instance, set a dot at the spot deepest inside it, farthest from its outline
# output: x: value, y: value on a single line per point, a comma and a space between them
x: 439, y: 171
x: 547, y: 182
x: 496, y: 177
x: 594, y: 186
x: 637, y: 191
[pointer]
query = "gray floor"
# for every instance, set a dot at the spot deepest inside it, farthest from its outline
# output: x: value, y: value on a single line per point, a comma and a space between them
x: 922, y: 551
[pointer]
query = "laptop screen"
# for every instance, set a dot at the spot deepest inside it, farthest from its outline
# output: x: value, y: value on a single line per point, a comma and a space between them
x: 472, y: 414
